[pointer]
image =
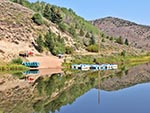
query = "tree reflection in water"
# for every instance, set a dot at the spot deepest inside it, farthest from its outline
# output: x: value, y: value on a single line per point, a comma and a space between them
x: 65, y: 88
x: 51, y: 92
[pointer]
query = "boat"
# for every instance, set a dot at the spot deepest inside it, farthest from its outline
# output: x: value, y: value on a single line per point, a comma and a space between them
x: 81, y: 66
x: 94, y: 66
x: 31, y: 64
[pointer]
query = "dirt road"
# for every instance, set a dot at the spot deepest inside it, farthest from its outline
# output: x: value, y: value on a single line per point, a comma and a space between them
x: 51, y: 62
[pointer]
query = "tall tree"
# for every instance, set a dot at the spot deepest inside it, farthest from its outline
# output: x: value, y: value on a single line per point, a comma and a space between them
x: 55, y: 15
x: 81, y: 32
x: 47, y: 12
x: 50, y: 40
x: 126, y: 41
x: 92, y: 40
x: 40, y: 43
x: 87, y: 35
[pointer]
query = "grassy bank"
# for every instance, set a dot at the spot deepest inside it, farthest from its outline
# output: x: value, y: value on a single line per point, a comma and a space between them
x: 122, y: 59
x: 111, y: 59
x: 12, y: 67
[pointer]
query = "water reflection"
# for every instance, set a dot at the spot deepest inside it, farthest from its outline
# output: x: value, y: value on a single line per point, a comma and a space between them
x: 64, y: 92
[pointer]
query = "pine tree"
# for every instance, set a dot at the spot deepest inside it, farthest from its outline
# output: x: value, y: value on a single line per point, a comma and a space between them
x: 47, y: 12
x: 81, y: 32
x: 126, y: 41
x: 92, y: 40
x: 55, y: 15
x: 40, y: 43
x: 87, y: 35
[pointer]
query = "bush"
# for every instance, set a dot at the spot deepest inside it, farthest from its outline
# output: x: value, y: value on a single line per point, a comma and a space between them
x: 119, y: 40
x: 92, y: 48
x: 54, y: 43
x: 87, y: 35
x: 103, y: 40
x: 17, y: 61
x: 62, y: 27
x: 111, y: 38
x: 81, y: 32
x: 40, y: 43
x: 72, y: 31
x: 123, y: 53
x: 92, y: 40
x: 37, y: 18
x: 68, y: 50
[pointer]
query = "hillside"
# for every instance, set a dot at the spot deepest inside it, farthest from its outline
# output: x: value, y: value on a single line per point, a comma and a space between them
x: 18, y: 32
x: 137, y: 35
x: 53, y: 30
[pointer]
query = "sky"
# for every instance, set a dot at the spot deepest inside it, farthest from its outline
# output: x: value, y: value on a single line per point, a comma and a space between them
x: 137, y: 11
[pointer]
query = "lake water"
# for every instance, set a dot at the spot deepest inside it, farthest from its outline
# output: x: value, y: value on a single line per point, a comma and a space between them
x: 118, y: 91
x: 135, y: 99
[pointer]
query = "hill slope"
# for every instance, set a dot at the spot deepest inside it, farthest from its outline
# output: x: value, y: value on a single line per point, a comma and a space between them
x: 18, y: 32
x: 138, y: 35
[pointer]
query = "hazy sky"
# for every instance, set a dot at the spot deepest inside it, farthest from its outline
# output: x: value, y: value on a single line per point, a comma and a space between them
x: 134, y: 10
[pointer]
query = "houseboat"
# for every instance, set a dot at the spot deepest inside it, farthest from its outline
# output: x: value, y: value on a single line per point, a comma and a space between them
x: 94, y: 66
x: 31, y: 64
x: 81, y: 66
x: 108, y: 66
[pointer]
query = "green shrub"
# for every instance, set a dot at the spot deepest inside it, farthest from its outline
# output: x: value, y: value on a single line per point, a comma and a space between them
x: 111, y: 38
x: 17, y: 61
x: 40, y: 43
x: 72, y: 31
x: 119, y: 40
x: 81, y: 32
x: 12, y: 67
x: 123, y: 53
x: 87, y: 35
x: 92, y: 40
x: 68, y: 50
x: 62, y: 27
x: 103, y: 40
x: 54, y: 43
x: 37, y: 18
x: 92, y: 48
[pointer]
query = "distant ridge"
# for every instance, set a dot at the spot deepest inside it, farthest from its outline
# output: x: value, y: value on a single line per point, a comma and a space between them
x: 138, y: 35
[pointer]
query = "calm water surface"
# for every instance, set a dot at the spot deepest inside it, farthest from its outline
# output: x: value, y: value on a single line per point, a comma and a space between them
x: 44, y: 91
x: 135, y: 99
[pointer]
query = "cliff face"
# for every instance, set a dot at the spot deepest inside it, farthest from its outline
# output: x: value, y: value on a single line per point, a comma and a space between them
x: 138, y: 35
